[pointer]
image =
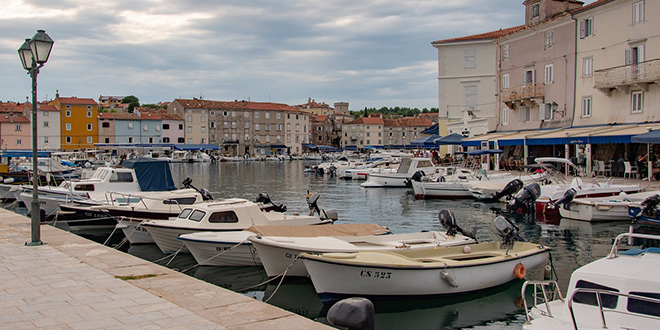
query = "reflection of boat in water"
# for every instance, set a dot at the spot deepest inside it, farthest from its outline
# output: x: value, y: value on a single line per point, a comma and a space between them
x: 239, y: 279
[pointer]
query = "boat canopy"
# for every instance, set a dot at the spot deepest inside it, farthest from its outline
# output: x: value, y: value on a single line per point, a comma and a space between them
x: 152, y: 174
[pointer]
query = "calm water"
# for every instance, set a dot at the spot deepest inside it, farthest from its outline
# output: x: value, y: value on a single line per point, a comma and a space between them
x: 574, y: 243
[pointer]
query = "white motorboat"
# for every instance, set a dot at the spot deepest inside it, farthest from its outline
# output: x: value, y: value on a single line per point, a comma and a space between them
x: 619, y: 291
x: 279, y: 253
x: 424, y: 273
x: 401, y: 178
x: 233, y: 248
x: 503, y: 186
x: 232, y: 214
x: 612, y: 208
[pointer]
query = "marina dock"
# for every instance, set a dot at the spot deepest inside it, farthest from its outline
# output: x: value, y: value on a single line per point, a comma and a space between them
x: 74, y: 283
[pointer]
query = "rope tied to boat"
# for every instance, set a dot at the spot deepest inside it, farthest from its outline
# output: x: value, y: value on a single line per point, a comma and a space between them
x: 280, y: 276
x: 126, y: 239
x: 217, y: 255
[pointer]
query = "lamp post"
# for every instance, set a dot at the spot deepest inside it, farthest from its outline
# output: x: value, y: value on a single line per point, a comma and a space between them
x: 34, y: 54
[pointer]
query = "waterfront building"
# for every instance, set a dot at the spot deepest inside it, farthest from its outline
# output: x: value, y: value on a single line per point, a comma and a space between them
x: 172, y: 128
x: 325, y: 131
x: 15, y: 131
x: 364, y: 131
x: 107, y: 130
x: 112, y: 103
x: 48, y: 126
x: 126, y: 127
x: 402, y: 131
x: 150, y: 127
x: 78, y: 122
x: 467, y: 83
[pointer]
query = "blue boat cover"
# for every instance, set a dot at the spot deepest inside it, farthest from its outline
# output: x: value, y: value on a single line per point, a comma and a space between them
x: 152, y: 174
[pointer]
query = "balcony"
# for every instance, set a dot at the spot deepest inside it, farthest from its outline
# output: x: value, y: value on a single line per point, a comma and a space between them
x: 622, y: 77
x: 523, y: 95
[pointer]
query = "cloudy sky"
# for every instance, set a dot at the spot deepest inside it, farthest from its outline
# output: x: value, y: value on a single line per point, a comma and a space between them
x: 370, y: 53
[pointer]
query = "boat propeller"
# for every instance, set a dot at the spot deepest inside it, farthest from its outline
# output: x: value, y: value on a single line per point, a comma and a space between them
x: 448, y: 221
x: 568, y: 197
x: 508, y: 231
x: 206, y: 194
x: 524, y: 200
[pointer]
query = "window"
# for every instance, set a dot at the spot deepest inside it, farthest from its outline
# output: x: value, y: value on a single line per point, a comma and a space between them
x: 586, y: 107
x: 157, y: 127
x: 233, y: 124
x: 589, y: 298
x: 225, y: 113
x: 505, y: 116
x: 130, y: 139
x: 212, y: 124
x: 67, y: 126
x: 212, y: 113
x: 180, y: 127
x: 256, y: 127
x: 105, y: 124
x: 256, y: 114
x: 528, y: 77
x: 505, y: 52
x: 297, y: 127
x: 166, y: 126
x: 246, y: 114
x: 90, y: 139
x: 643, y: 306
x: 145, y: 127
x: 278, y: 127
x: 638, y: 12
x: 524, y: 114
x: 19, y: 141
x: 203, y: 129
x: 278, y: 139
x: 548, y: 74
x: 549, y: 39
x: 89, y: 127
x: 67, y: 113
x: 45, y: 139
x: 637, y: 102
x: 89, y: 113
x: 180, y: 140
x: 545, y: 111
x: 247, y: 137
x: 536, y: 10
x: 130, y: 125
x: 587, y: 67
x: 246, y: 125
x: 189, y: 129
x: 197, y: 215
x: 470, y: 96
x: 225, y: 124
x: 267, y: 115
x: 469, y: 59
x: 18, y: 127
x: 165, y: 140
x: 586, y: 27
x: 267, y: 126
x: 267, y: 138
x: 68, y: 139
x: 189, y: 118
x: 505, y: 81
x: 223, y: 217
x: 203, y: 118
x: 45, y: 124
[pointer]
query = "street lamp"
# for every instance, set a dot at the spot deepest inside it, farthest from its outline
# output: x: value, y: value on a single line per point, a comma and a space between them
x: 34, y: 54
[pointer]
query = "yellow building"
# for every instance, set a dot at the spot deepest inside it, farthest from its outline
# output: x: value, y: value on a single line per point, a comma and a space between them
x: 78, y: 122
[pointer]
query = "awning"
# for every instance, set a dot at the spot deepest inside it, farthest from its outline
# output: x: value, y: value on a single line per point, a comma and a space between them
x: 650, y: 137
x: 431, y: 130
x: 24, y: 153
x: 620, y: 133
x: 278, y: 146
x: 309, y: 145
x: 427, y: 140
x: 196, y: 147
x: 475, y: 141
x: 453, y: 139
x: 575, y: 135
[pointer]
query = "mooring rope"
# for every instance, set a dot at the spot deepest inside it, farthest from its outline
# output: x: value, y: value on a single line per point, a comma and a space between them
x: 281, y: 276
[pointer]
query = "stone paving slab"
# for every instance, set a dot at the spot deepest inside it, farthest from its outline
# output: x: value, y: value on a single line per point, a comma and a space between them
x: 76, y: 284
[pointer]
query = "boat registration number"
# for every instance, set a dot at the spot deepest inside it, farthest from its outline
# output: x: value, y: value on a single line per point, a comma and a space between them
x: 375, y: 274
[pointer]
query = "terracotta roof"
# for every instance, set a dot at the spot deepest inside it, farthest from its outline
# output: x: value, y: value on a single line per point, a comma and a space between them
x: 150, y: 116
x: 408, y: 122
x: 170, y: 116
x: 482, y: 36
x: 591, y: 5
x: 47, y: 107
x: 77, y: 101
x: 234, y: 105
x: 11, y: 107
x: 366, y: 121
x: 6, y: 118
x: 321, y: 117
x: 119, y: 116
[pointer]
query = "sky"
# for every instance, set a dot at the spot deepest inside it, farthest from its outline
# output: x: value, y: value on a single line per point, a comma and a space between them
x: 369, y: 53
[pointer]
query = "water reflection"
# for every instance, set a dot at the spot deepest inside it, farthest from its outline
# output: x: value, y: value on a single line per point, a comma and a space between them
x: 573, y: 243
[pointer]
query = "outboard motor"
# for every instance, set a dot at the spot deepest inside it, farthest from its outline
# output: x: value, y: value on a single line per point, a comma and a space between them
x: 417, y: 176
x: 448, y: 221
x: 524, y: 200
x: 206, y: 195
x: 511, y: 188
x: 268, y: 204
x: 508, y: 231
x: 332, y: 170
x: 568, y: 197
x: 649, y: 206
x: 312, y: 199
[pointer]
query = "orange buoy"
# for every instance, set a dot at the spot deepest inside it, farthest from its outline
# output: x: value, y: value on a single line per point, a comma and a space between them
x: 520, y: 271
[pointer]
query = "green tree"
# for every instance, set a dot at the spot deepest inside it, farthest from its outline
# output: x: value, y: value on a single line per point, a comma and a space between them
x: 133, y: 102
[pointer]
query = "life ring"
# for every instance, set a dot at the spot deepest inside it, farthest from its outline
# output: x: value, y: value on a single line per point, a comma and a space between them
x: 520, y: 271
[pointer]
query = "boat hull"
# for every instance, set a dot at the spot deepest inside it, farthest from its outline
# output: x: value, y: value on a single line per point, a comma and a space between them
x: 336, y: 280
x: 441, y: 190
x: 134, y: 232
x: 232, y: 252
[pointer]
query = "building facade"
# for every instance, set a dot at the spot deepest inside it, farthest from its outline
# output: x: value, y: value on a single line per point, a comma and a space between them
x: 78, y: 122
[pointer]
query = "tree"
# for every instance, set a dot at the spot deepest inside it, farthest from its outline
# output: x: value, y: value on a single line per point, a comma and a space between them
x: 133, y: 102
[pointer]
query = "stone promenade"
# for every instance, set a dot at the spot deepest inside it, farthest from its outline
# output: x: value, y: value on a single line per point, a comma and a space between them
x: 73, y: 283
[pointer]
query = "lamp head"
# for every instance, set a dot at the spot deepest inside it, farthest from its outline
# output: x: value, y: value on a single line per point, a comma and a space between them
x: 25, y: 54
x: 41, y: 44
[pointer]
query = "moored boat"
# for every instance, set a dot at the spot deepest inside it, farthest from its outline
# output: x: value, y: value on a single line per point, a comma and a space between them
x: 423, y: 273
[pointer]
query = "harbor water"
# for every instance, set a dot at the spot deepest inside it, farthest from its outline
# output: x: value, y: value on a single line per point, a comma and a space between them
x: 573, y: 243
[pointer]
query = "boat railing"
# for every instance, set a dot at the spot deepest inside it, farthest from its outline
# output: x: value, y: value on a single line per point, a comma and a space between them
x: 615, y: 246
x: 603, y: 309
x: 112, y: 198
x: 542, y: 290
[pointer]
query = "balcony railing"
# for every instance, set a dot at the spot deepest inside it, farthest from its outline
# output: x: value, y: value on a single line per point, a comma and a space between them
x: 524, y: 92
x: 625, y: 75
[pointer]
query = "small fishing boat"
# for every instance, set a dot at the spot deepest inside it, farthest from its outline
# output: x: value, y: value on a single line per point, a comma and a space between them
x: 278, y: 253
x: 231, y: 214
x: 423, y: 273
x: 619, y: 291
x: 400, y: 178
x: 646, y: 213
x: 613, y: 208
x: 233, y: 248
